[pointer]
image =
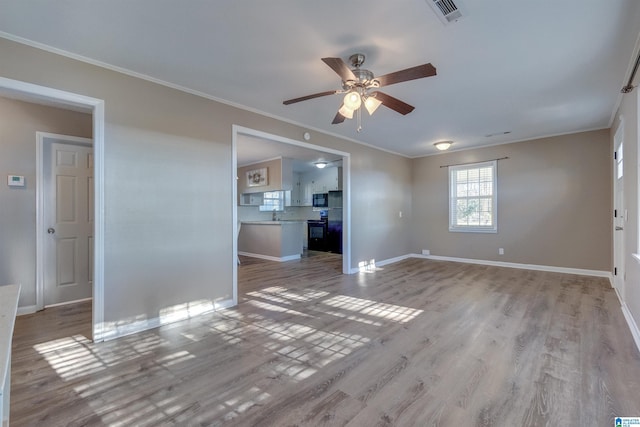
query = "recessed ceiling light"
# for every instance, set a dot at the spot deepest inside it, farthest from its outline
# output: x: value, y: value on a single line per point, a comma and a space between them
x: 443, y: 145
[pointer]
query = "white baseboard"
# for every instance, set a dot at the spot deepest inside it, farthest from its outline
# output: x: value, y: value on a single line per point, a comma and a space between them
x: 270, y: 258
x: 68, y: 302
x: 369, y: 266
x: 633, y: 326
x: 120, y: 330
x: 220, y: 305
x: 536, y: 267
x: 28, y: 309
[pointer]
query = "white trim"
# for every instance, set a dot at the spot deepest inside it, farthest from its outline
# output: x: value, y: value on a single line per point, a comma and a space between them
x: 234, y: 214
x: 346, y: 191
x: 68, y: 302
x: 68, y: 99
x: 633, y: 325
x: 451, y: 170
x: 40, y: 204
x: 618, y: 140
x: 99, y: 215
x: 515, y: 141
x: 120, y: 330
x: 27, y: 309
x: 536, y: 267
x: 393, y: 260
x: 227, y: 303
x: 376, y: 264
x: 269, y: 257
x: 549, y: 268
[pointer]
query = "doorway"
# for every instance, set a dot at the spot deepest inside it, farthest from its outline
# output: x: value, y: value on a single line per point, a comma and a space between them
x: 65, y: 180
x: 619, y: 211
x: 239, y: 132
x: 48, y: 96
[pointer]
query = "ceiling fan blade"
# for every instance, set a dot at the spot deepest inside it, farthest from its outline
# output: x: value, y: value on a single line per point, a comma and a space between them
x: 339, y: 118
x: 304, y: 98
x: 341, y: 68
x: 393, y: 103
x: 418, y: 72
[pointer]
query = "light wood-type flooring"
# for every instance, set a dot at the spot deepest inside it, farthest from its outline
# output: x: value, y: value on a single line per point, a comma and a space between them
x: 416, y: 343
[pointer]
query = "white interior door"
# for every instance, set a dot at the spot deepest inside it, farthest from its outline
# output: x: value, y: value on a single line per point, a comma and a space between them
x: 619, y: 213
x: 68, y: 218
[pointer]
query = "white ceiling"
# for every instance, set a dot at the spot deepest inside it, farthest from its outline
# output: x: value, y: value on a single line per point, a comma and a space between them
x: 534, y: 68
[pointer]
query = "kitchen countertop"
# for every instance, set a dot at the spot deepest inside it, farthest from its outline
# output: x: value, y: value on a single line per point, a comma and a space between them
x: 8, y: 306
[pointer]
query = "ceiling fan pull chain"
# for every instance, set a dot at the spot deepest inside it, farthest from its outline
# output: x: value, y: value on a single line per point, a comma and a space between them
x: 359, y: 118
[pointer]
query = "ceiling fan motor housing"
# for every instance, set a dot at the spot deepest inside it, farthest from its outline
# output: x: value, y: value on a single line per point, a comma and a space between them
x: 357, y: 59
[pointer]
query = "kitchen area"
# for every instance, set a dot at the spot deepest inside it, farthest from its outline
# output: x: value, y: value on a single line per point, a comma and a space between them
x: 289, y: 205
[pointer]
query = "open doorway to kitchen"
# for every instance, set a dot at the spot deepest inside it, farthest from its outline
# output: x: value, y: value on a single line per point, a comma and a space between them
x: 285, y: 205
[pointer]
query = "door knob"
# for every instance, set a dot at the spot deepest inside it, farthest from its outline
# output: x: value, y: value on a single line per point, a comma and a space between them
x: 619, y: 228
x: 51, y: 230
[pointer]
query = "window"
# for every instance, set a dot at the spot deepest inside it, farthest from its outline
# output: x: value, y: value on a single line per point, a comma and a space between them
x: 472, y: 198
x: 272, y: 201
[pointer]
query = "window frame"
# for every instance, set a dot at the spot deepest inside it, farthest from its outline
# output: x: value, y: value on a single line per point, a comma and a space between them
x: 267, y: 201
x: 493, y: 228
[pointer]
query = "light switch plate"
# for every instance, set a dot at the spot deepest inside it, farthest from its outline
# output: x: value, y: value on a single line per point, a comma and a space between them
x: 15, y: 181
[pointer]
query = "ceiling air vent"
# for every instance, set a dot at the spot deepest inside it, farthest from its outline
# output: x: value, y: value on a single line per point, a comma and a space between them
x: 447, y: 10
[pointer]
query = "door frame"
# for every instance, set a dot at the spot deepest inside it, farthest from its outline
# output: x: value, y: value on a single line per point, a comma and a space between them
x: 618, y: 258
x: 41, y: 195
x: 346, y: 191
x: 30, y: 92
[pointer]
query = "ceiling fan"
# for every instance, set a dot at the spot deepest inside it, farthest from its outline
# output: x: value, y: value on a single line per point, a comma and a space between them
x: 359, y: 86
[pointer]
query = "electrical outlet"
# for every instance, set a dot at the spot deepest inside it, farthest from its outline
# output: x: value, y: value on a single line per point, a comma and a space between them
x: 426, y: 252
x: 500, y: 251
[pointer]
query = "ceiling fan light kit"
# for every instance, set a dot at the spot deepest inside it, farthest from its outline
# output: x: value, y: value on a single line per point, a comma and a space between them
x: 372, y: 104
x: 346, y: 112
x: 358, y: 85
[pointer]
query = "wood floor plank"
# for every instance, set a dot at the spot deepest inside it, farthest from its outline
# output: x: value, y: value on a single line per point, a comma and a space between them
x: 419, y: 342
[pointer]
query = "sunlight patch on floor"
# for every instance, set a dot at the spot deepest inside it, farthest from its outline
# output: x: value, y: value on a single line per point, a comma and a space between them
x: 371, y: 309
x: 70, y: 357
x: 304, y: 295
x: 277, y: 308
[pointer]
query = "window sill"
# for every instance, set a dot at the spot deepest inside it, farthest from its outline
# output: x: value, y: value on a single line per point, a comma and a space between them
x: 474, y: 230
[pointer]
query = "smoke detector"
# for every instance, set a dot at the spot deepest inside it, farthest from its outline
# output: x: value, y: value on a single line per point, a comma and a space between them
x: 447, y: 11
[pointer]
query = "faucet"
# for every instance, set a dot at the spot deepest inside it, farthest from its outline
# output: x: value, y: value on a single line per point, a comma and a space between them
x: 273, y: 215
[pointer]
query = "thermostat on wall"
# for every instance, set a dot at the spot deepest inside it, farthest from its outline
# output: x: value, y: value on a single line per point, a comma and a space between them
x: 15, y: 181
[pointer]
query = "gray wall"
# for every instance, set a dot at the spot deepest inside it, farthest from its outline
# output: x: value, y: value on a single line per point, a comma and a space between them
x: 19, y: 122
x: 168, y: 214
x: 630, y: 293
x: 554, y: 203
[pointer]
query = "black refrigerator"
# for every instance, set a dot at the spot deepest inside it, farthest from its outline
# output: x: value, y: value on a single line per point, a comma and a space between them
x: 334, y: 222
